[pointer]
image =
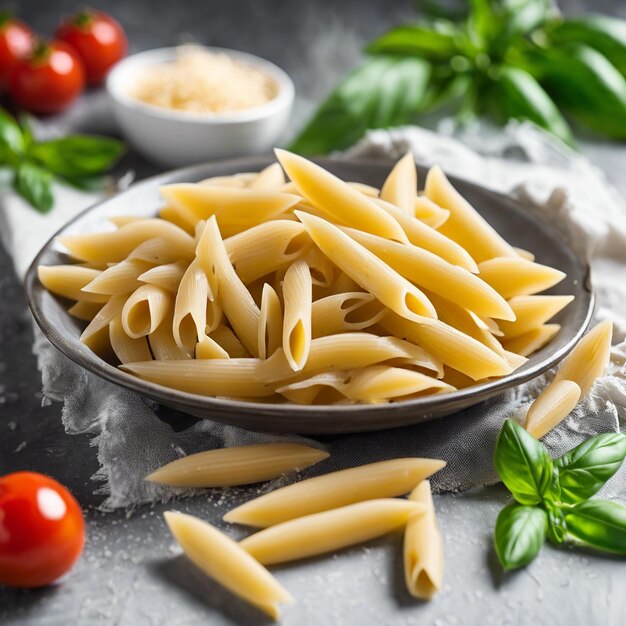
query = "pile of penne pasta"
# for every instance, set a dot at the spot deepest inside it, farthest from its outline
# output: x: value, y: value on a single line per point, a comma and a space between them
x: 308, y: 518
x: 311, y: 290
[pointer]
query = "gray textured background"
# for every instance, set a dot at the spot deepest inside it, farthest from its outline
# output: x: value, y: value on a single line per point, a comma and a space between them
x: 130, y: 574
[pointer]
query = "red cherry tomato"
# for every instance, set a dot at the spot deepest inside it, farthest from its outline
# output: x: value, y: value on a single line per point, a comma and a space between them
x: 16, y: 41
x: 49, y: 79
x: 99, y: 40
x: 42, y: 531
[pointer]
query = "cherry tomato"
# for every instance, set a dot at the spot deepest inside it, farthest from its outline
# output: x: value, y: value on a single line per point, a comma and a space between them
x: 42, y: 531
x: 16, y: 41
x: 99, y: 40
x: 49, y: 79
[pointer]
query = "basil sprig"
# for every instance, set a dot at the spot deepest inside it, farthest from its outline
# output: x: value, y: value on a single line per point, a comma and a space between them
x: 552, y: 497
x: 77, y: 160
x: 515, y: 59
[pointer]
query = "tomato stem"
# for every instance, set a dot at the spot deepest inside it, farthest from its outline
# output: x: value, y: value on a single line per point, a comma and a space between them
x: 83, y: 18
x: 5, y: 17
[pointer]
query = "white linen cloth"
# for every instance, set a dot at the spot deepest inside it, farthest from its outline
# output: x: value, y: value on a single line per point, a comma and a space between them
x: 521, y: 161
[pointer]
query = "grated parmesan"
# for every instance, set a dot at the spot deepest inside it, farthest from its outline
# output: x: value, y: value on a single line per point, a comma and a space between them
x: 201, y: 81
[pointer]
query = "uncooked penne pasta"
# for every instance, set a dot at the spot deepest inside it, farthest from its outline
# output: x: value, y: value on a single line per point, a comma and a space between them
x: 223, y: 559
x: 270, y: 323
x: 157, y: 251
x: 551, y: 407
x: 227, y: 339
x: 244, y: 465
x: 370, y: 272
x: 119, y: 279
x: 532, y: 340
x: 465, y: 225
x: 127, y: 349
x: 423, y: 547
x: 144, y: 310
x: 337, y: 199
x: 430, y: 213
x: 167, y: 276
x: 400, y: 187
x: 183, y: 219
x: 345, y: 312
x: 532, y: 312
x: 84, y: 310
x: 68, y: 281
x: 271, y: 177
x: 297, y: 288
x: 190, y: 309
x: 385, y: 479
x: 511, y: 276
x: 321, y: 267
x: 329, y: 530
x: 366, y: 190
x: 210, y: 377
x: 208, y: 348
x: 163, y: 345
x: 103, y: 317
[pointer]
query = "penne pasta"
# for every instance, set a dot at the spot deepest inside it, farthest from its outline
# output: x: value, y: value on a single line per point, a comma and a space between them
x: 423, y: 547
x: 345, y: 312
x: 84, y: 310
x: 208, y: 348
x: 551, y: 407
x: 210, y: 377
x: 529, y: 342
x: 227, y: 340
x: 245, y: 465
x: 322, y: 269
x: 163, y: 345
x: 385, y: 479
x: 103, y: 317
x: 119, y: 279
x: 297, y: 295
x: 68, y: 281
x: 190, y: 309
x: 158, y: 251
x: 337, y: 199
x: 223, y: 559
x: 100, y: 343
x: 144, y: 310
x: 465, y: 225
x: 329, y: 531
x: 430, y: 213
x: 127, y: 349
x: 183, y: 219
x: 400, y: 187
x: 270, y: 323
x: 166, y: 276
x: 240, y: 180
x: 370, y: 272
x: 366, y: 190
x: 122, y: 220
x: 511, y: 276
x: 532, y: 312
x: 271, y: 178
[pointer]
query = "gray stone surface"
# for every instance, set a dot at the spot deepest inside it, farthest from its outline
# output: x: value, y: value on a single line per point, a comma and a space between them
x: 131, y: 573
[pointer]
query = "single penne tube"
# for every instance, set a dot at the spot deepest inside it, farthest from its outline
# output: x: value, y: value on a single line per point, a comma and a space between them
x: 127, y: 349
x: 529, y: 342
x: 84, y: 310
x: 344, y: 351
x: 337, y: 199
x: 328, y: 531
x: 113, y: 247
x: 453, y: 347
x: 589, y: 358
x: 263, y: 249
x: 144, y: 310
x: 400, y: 186
x: 385, y: 479
x: 208, y: 348
x: 514, y: 276
x: 100, y: 344
x: 457, y: 379
x: 103, y: 317
x: 183, y: 219
x: 423, y: 547
x: 465, y: 225
x: 430, y: 213
x: 370, y: 272
x: 159, y: 251
x: 68, y: 281
x: 431, y: 272
x: 166, y: 276
x: 551, y: 407
x: 272, y: 178
x: 345, y: 312
x: 532, y: 312
x: 230, y: 205
x: 242, y: 465
x: 119, y: 279
x: 524, y: 254
x: 297, y: 296
x: 366, y: 190
x: 322, y: 269
x: 190, y: 308
x: 210, y: 377
x: 163, y: 345
x: 122, y: 220
x: 424, y: 236
x: 270, y: 323
x: 222, y: 559
x: 226, y: 338
x: 237, y: 302
x: 344, y: 283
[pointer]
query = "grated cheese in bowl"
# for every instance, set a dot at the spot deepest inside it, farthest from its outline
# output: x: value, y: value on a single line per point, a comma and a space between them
x: 200, y: 81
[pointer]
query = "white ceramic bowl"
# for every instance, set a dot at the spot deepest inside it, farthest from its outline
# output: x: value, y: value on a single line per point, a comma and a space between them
x: 176, y: 138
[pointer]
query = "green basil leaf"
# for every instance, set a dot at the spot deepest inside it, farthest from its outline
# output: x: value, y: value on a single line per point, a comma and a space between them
x: 557, y: 528
x: 524, y: 16
x: 436, y: 43
x: 11, y: 139
x: 587, y: 85
x: 521, y: 97
x: 605, y: 34
x: 88, y: 183
x: 78, y: 155
x: 34, y: 184
x: 523, y: 464
x: 582, y: 471
x: 26, y: 125
x: 599, y: 523
x: 384, y: 92
x: 520, y: 532
x: 483, y: 22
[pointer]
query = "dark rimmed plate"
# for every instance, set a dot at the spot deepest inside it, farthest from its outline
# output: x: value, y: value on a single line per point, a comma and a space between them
x: 521, y: 225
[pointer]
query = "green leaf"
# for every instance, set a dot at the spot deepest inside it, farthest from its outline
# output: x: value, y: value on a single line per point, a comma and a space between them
x: 521, y: 97
x: 384, y: 92
x: 582, y: 471
x: 11, y: 139
x: 26, y: 125
x: 77, y: 155
x: 586, y: 84
x: 599, y: 523
x: 520, y: 532
x: 557, y: 528
x: 605, y: 34
x: 87, y: 183
x: 436, y: 43
x: 34, y: 184
x: 483, y: 22
x: 523, y: 464
x: 524, y: 16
